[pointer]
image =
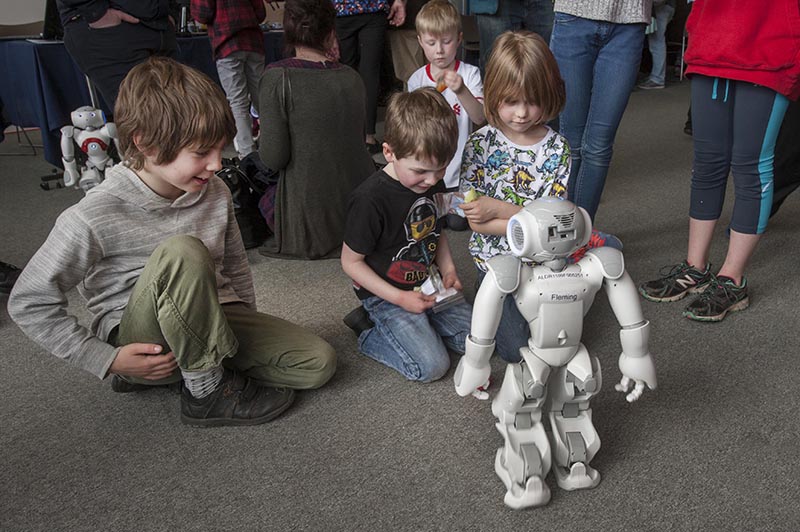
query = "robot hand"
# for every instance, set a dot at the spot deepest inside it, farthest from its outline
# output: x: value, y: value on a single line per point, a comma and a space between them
x: 470, y: 379
x: 637, y: 371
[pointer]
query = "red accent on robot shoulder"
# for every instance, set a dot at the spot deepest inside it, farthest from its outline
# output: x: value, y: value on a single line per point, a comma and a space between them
x: 86, y: 143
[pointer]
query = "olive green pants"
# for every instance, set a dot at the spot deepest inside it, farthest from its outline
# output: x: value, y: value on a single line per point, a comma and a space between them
x: 175, y: 304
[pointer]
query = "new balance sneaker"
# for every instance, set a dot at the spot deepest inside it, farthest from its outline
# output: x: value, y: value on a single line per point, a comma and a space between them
x: 722, y: 296
x: 676, y: 283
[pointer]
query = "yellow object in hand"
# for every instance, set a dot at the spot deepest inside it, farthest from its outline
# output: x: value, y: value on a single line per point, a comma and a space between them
x: 471, y: 195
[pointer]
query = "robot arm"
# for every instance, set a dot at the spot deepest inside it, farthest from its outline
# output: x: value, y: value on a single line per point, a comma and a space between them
x: 502, y: 279
x: 635, y: 362
x: 71, y: 174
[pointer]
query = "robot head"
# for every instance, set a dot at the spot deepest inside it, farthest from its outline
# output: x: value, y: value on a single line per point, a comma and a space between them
x: 87, y: 117
x: 548, y: 229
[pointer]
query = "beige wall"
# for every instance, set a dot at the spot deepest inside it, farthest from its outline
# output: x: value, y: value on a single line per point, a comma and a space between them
x: 21, y: 12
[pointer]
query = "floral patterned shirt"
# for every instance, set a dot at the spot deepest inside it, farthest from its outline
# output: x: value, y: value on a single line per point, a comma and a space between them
x: 497, y: 167
x: 359, y: 7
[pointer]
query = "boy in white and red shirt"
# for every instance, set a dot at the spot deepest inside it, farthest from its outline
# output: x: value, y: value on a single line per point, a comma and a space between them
x: 439, y: 33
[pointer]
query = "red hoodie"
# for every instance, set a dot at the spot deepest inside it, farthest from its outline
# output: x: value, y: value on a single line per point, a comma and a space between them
x: 747, y: 40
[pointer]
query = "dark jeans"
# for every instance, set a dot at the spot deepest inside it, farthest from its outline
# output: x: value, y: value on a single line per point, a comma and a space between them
x: 531, y: 15
x: 106, y: 55
x: 361, y: 41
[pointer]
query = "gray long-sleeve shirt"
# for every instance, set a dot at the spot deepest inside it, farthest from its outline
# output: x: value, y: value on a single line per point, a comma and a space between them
x: 101, y: 245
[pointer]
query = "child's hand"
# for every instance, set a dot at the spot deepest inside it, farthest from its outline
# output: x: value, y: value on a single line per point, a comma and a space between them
x: 415, y: 302
x: 143, y: 360
x: 450, y: 280
x: 482, y: 209
x: 453, y: 80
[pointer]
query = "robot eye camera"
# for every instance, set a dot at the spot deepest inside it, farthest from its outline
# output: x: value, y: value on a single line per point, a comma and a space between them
x: 548, y: 229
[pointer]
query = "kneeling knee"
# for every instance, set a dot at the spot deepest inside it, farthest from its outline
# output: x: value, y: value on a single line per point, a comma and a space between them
x: 324, y: 366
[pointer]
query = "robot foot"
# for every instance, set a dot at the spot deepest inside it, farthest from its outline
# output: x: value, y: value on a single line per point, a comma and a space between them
x: 580, y: 476
x: 534, y: 493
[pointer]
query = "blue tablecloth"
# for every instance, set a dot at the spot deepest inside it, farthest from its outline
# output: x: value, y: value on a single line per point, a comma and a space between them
x: 40, y: 85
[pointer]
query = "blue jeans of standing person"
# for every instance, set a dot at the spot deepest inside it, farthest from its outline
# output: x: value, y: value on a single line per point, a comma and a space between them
x: 513, y: 332
x: 415, y: 344
x: 657, y: 43
x: 496, y: 16
x: 599, y: 62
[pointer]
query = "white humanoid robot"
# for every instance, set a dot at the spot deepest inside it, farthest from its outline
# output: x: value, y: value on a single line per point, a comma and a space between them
x: 556, y: 377
x: 94, y: 137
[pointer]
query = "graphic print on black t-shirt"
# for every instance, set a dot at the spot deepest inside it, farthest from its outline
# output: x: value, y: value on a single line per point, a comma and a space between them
x: 410, y: 265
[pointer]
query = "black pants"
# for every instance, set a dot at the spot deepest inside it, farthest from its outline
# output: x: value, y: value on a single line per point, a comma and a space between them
x: 787, y: 156
x: 361, y: 40
x: 106, y: 55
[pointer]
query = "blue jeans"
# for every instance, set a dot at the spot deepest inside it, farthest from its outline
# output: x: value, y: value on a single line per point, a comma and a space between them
x: 513, y: 332
x: 657, y: 43
x: 415, y: 344
x: 533, y: 15
x: 599, y: 62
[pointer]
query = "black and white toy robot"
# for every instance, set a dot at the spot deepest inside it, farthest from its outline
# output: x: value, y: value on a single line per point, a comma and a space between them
x: 556, y: 377
x: 94, y: 137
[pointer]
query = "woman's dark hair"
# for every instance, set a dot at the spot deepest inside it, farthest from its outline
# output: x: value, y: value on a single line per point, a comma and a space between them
x: 308, y: 23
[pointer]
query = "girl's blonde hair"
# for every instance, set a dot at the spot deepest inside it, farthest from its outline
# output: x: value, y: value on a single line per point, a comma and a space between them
x: 522, y: 66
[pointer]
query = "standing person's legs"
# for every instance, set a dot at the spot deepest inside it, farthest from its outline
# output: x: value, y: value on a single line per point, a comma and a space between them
x: 370, y: 49
x: 657, y: 43
x: 106, y: 55
x: 276, y: 352
x: 539, y: 17
x: 490, y: 25
x: 787, y: 156
x: 407, y: 54
x: 614, y: 76
x: 404, y: 341
x: 712, y: 120
x: 232, y: 72
x: 757, y: 116
x: 254, y: 66
x: 575, y: 47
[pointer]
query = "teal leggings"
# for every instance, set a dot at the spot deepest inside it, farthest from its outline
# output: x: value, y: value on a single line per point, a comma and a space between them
x: 175, y: 304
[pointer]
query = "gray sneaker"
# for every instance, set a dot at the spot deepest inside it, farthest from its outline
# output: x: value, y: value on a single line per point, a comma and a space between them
x: 676, y: 282
x: 649, y: 85
x: 721, y: 296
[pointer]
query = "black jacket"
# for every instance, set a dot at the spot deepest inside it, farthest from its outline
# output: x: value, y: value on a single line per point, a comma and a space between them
x: 152, y: 13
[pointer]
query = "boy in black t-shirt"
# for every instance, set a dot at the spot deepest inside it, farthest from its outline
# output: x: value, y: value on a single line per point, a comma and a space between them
x: 393, y: 236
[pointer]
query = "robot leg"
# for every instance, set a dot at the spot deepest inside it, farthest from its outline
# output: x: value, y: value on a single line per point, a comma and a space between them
x: 89, y: 178
x: 524, y: 460
x: 574, y: 438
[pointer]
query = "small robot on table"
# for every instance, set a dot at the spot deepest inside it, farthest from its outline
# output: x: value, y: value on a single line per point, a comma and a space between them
x: 556, y: 377
x: 94, y: 137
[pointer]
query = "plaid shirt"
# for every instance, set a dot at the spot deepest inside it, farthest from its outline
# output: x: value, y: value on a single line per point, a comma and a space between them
x: 232, y: 24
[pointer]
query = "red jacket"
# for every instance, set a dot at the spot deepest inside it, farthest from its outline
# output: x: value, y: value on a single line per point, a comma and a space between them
x: 232, y: 24
x: 747, y: 40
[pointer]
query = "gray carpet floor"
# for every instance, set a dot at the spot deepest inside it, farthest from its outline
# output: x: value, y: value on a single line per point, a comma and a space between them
x: 712, y: 449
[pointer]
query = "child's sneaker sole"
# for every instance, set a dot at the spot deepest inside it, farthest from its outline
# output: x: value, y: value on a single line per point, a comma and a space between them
x: 741, y: 305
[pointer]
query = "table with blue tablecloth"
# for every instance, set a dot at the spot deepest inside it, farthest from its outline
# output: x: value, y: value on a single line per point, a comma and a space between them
x: 40, y: 85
